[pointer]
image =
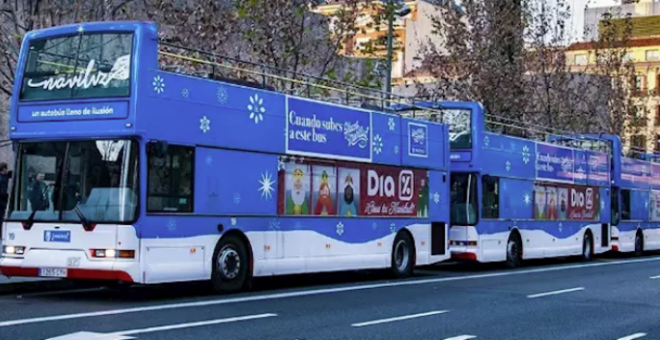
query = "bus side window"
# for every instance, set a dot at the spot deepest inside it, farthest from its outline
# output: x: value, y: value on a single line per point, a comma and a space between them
x: 170, y: 180
x: 490, y: 197
x: 614, y: 215
x: 625, y: 205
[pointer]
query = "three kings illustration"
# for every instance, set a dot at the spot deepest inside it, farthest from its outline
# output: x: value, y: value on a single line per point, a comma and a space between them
x: 297, y: 203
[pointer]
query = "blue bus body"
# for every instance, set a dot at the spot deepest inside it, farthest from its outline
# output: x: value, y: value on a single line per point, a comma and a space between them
x: 144, y: 185
x: 515, y: 198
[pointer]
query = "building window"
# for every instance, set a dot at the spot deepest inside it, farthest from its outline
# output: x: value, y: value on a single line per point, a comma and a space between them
x: 490, y: 198
x: 170, y: 180
x: 628, y: 57
x: 652, y: 55
x: 640, y: 83
x: 581, y: 59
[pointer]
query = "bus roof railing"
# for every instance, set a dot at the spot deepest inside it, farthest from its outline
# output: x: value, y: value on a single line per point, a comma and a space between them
x: 251, y: 74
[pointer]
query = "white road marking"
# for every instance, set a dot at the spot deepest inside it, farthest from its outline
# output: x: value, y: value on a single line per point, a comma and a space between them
x: 634, y: 336
x: 462, y: 337
x: 556, y: 292
x: 125, y: 335
x: 398, y: 318
x: 314, y: 292
x: 654, y: 277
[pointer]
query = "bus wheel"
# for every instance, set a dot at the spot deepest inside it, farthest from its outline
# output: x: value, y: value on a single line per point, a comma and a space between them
x: 230, y: 265
x: 587, y: 247
x: 403, y: 255
x: 514, y: 251
x: 639, y: 244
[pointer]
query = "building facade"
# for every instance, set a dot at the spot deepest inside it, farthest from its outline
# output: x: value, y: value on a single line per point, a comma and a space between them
x: 644, y: 53
x: 635, y: 8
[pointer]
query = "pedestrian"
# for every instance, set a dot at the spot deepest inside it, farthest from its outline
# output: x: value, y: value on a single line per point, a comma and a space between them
x: 4, y: 188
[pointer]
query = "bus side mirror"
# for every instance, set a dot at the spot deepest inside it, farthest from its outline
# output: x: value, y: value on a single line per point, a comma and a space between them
x: 157, y: 148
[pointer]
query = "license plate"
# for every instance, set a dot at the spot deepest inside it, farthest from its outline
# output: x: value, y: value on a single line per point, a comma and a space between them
x: 52, y: 272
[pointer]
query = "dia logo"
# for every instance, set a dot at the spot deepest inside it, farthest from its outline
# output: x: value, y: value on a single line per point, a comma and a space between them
x: 406, y: 180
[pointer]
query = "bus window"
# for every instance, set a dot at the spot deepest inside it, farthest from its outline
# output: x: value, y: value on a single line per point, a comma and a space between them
x: 625, y: 205
x: 614, y: 215
x: 490, y: 197
x: 170, y: 181
x: 463, y: 199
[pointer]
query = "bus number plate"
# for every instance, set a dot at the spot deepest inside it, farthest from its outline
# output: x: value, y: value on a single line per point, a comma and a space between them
x: 52, y: 272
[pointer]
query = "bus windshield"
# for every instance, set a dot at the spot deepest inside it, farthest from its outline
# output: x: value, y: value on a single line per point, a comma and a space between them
x: 78, y: 66
x: 94, y: 181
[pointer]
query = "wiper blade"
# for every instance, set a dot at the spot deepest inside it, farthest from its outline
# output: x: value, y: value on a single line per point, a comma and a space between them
x: 30, y: 221
x: 81, y: 216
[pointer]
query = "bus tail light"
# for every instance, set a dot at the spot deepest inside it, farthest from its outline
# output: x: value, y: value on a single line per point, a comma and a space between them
x: 112, y: 253
x: 13, y: 250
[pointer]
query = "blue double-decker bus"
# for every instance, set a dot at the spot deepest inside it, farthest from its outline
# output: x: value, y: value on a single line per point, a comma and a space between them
x: 635, y: 200
x: 127, y: 172
x: 515, y: 198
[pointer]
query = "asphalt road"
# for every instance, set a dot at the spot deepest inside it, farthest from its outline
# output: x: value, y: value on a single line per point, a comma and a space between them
x: 606, y: 299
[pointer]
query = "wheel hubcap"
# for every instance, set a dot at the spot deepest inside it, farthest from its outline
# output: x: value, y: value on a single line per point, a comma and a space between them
x: 401, y: 256
x: 229, y: 263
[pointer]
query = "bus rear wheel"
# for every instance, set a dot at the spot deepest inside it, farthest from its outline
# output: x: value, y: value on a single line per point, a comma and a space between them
x: 403, y: 256
x: 230, y: 265
x: 639, y: 244
x: 587, y: 247
x: 514, y: 251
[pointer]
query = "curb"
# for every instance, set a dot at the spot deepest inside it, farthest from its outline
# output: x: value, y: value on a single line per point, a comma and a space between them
x: 21, y: 287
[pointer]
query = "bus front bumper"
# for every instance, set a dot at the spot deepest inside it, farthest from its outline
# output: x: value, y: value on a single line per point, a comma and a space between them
x: 68, y: 264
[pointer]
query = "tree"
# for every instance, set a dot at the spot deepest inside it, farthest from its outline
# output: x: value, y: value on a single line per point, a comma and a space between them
x: 511, y: 57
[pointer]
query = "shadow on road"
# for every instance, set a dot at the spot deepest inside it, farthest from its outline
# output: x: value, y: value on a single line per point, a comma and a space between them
x: 92, y: 292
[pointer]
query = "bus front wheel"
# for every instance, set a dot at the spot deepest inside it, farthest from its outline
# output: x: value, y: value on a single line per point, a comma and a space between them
x: 514, y: 251
x: 230, y: 265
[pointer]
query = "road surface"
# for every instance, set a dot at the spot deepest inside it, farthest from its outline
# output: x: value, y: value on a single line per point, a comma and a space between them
x: 605, y: 299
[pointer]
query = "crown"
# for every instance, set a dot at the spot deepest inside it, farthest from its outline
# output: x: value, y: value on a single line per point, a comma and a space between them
x: 324, y: 175
x: 297, y: 173
x: 349, y: 179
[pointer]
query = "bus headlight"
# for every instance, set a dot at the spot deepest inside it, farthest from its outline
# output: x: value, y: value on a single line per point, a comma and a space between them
x: 13, y: 250
x: 113, y: 253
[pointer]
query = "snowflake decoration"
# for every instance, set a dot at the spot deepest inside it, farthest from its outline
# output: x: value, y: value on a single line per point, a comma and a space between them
x: 159, y: 84
x: 646, y: 204
x: 486, y: 141
x: 266, y: 187
x: 391, y: 123
x: 526, y: 155
x: 256, y: 108
x: 237, y: 198
x: 205, y: 124
x: 580, y: 170
x: 171, y: 225
x: 377, y: 144
x: 508, y: 166
x: 209, y: 160
x: 374, y: 226
x: 280, y: 164
x: 340, y: 228
x: 527, y: 199
x: 185, y: 93
x: 602, y: 205
x: 274, y: 225
x: 222, y: 95
x: 81, y: 29
x: 561, y: 226
x: 396, y: 149
x: 392, y: 227
x: 436, y: 197
x: 298, y: 226
x: 233, y: 221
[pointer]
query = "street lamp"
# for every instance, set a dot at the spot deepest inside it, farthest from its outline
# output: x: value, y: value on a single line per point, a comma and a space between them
x: 399, y: 8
